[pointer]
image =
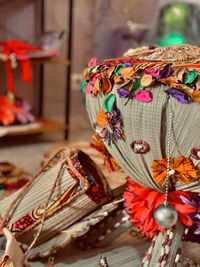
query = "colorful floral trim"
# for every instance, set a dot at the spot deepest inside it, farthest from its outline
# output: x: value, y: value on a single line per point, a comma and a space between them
x: 182, y: 79
x: 141, y: 203
x: 182, y: 169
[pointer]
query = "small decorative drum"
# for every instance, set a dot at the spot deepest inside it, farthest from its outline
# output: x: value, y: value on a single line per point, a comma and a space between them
x: 145, y: 108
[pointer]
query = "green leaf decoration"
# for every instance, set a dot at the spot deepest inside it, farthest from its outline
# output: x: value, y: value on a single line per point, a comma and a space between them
x: 190, y: 77
x: 84, y: 83
x: 118, y: 68
x: 108, y: 102
x: 136, y: 86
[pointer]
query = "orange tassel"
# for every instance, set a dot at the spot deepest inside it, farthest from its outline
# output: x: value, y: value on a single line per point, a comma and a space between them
x: 183, y: 170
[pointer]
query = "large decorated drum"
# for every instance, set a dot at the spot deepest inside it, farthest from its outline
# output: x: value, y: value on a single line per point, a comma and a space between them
x: 145, y: 108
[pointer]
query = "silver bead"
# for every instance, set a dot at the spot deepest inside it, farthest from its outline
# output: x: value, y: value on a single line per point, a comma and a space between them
x: 165, y: 216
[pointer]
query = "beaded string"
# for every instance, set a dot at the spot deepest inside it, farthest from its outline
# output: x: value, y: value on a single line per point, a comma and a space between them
x: 83, y: 180
x: 169, y: 140
x: 103, y: 262
x: 164, y: 252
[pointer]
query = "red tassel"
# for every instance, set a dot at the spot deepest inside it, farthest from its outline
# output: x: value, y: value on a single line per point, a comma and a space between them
x: 10, y: 79
x: 26, y: 71
x: 20, y: 50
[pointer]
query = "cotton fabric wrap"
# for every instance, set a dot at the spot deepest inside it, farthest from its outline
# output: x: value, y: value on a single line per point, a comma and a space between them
x: 149, y: 122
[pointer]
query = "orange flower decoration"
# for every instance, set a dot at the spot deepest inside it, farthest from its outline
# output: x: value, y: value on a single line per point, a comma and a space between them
x: 182, y: 169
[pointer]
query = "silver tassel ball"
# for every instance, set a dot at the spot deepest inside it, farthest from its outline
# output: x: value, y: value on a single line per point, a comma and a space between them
x: 165, y: 216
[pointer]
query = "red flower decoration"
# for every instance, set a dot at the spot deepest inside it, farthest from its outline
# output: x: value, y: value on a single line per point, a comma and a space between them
x: 141, y: 203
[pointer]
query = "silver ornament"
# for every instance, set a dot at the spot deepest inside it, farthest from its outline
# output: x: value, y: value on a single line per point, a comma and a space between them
x: 165, y: 216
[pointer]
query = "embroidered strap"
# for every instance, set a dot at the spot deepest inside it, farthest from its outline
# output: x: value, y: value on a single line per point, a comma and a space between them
x: 97, y: 191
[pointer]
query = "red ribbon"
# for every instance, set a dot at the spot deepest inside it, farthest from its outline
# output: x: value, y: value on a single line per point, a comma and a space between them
x: 20, y: 49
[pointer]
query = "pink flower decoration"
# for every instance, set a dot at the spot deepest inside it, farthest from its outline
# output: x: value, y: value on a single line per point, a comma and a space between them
x: 92, y: 62
x: 88, y: 88
x: 153, y: 73
x: 143, y: 96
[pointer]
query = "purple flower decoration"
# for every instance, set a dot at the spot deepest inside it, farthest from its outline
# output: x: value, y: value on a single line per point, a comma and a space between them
x: 127, y: 64
x: 180, y: 95
x: 153, y: 73
x: 194, y: 230
x: 165, y: 72
x: 113, y: 131
x: 122, y: 92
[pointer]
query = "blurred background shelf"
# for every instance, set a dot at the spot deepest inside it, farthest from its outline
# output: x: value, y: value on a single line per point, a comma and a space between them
x: 41, y: 125
x: 50, y: 89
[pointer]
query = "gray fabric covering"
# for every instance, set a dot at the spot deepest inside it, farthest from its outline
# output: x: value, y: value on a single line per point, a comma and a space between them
x: 148, y: 122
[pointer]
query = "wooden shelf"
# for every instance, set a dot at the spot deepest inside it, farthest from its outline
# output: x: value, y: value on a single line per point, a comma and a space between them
x: 40, y: 126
